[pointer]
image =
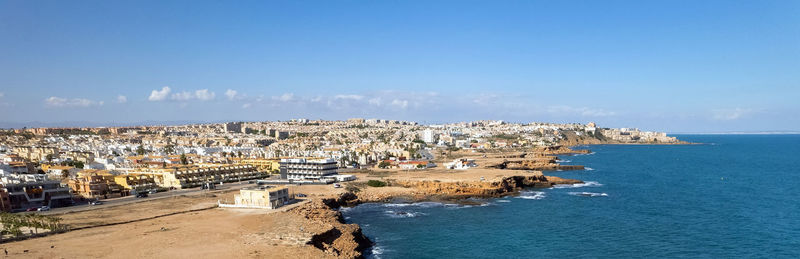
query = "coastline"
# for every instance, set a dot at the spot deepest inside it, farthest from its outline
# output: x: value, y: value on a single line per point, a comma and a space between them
x: 344, y: 240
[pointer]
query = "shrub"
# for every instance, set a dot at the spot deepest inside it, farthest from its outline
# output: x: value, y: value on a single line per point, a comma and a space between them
x: 376, y: 183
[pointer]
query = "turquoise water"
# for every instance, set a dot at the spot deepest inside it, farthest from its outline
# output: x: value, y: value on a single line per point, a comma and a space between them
x: 736, y: 196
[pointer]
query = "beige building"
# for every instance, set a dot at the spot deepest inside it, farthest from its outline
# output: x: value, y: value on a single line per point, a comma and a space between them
x: 268, y: 197
x: 194, y: 176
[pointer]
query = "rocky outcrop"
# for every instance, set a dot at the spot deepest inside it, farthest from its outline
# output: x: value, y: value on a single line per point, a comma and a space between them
x: 502, y: 187
x: 559, y: 149
x: 547, y: 163
x: 335, y: 237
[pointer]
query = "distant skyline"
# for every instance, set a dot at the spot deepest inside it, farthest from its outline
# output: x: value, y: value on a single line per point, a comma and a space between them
x: 674, y: 66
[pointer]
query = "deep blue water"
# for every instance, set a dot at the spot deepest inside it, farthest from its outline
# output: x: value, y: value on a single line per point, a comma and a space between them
x: 736, y: 196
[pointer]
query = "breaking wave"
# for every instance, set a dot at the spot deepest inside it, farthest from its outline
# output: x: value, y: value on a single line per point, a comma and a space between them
x: 588, y: 194
x: 532, y: 195
x: 403, y: 214
x: 577, y: 185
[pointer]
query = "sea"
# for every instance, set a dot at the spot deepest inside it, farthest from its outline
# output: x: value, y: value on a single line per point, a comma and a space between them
x: 731, y: 196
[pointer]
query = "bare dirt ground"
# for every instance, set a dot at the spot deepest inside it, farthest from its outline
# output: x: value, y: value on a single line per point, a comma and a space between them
x: 163, y: 227
x: 207, y: 233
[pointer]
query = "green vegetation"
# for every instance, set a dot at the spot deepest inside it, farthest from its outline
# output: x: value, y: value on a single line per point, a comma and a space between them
x: 13, y: 222
x: 26, y: 135
x: 140, y: 150
x: 506, y: 136
x: 384, y: 164
x: 169, y: 149
x: 73, y: 163
x: 184, y: 160
x: 376, y: 183
x: 453, y: 148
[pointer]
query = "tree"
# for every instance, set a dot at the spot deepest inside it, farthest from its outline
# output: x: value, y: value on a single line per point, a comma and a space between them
x: 140, y: 150
x: 383, y: 164
x: 64, y: 174
x: 49, y: 157
x: 169, y: 149
x: 184, y: 161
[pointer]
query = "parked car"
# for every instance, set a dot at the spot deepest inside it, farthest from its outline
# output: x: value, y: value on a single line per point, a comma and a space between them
x: 44, y: 208
x: 300, y: 195
x: 32, y: 209
x: 153, y: 192
x: 336, y: 185
x: 96, y: 203
x: 141, y: 195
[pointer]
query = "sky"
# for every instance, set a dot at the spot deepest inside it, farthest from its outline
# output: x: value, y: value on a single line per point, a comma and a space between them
x: 674, y: 66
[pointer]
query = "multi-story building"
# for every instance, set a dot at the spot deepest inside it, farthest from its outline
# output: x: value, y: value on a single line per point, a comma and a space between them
x: 262, y: 165
x: 95, y: 184
x: 307, y: 169
x: 135, y: 181
x: 194, y: 176
x: 233, y: 127
x: 33, y: 190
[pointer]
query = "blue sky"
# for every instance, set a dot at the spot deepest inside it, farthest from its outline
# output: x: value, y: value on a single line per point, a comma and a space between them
x: 676, y: 66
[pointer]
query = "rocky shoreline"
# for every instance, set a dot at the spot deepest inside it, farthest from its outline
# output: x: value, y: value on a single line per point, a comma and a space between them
x: 344, y: 240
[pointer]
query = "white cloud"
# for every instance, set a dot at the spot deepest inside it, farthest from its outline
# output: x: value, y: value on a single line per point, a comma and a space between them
x: 246, y: 105
x: 583, y: 111
x: 204, y: 95
x: 2, y: 94
x: 161, y: 95
x: 284, y: 98
x: 348, y: 97
x: 375, y: 101
x: 231, y: 94
x: 316, y: 99
x: 485, y: 99
x: 731, y: 114
x: 402, y: 104
x: 122, y: 99
x: 182, y: 96
x: 54, y: 101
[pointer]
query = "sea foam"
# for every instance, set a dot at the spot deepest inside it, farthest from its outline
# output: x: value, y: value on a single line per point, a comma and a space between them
x: 577, y: 185
x: 532, y: 195
x: 588, y: 194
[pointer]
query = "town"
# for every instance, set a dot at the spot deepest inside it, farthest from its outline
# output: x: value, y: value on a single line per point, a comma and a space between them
x: 44, y: 168
x: 297, y: 172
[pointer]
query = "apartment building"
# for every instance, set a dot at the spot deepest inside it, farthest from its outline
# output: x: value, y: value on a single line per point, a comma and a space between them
x: 307, y: 169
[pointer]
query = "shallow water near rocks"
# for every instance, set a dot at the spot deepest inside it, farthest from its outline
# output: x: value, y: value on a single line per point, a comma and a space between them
x: 735, y: 196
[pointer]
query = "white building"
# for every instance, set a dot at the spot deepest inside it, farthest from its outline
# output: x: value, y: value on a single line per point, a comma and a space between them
x: 427, y: 136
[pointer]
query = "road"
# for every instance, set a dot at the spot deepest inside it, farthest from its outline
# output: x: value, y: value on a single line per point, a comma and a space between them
x: 113, y: 202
